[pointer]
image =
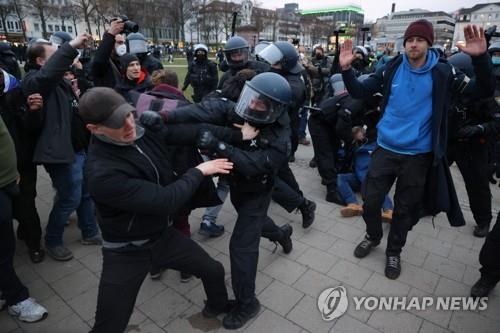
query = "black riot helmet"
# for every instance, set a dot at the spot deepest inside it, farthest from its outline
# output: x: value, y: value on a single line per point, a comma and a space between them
x: 463, y: 62
x: 282, y: 53
x: 137, y: 43
x: 59, y: 38
x: 236, y: 51
x: 264, y: 98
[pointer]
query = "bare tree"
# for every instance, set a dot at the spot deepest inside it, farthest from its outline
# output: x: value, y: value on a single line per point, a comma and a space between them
x: 5, y: 11
x: 21, y: 13
x: 43, y: 9
x: 87, y: 9
x: 64, y: 13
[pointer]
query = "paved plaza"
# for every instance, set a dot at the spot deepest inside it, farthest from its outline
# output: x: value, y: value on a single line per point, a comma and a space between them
x: 437, y: 261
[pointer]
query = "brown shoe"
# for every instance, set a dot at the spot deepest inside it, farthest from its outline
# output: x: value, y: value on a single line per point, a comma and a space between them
x: 304, y: 141
x: 351, y: 210
x: 387, y: 216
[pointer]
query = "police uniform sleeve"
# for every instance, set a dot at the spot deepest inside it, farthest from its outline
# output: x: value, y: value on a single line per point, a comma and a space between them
x: 482, y: 85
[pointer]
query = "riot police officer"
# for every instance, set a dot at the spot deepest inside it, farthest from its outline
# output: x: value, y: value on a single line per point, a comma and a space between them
x: 488, y: 257
x: 202, y: 74
x: 263, y: 104
x: 472, y: 125
x: 319, y: 71
x: 237, y: 53
x: 138, y: 45
x: 59, y: 38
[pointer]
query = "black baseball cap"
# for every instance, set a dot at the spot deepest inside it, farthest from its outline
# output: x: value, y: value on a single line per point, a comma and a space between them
x: 102, y: 105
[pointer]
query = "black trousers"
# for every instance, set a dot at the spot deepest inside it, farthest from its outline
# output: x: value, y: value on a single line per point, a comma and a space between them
x: 326, y: 145
x: 488, y: 257
x: 11, y: 287
x: 25, y: 208
x: 124, y: 270
x: 244, y: 244
x: 409, y: 172
x: 286, y: 190
x: 472, y: 161
x: 294, y: 127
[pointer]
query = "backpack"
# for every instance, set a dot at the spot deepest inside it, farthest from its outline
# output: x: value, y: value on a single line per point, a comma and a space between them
x: 157, y: 101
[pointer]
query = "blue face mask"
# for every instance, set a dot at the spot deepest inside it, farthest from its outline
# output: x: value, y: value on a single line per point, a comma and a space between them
x: 495, y: 60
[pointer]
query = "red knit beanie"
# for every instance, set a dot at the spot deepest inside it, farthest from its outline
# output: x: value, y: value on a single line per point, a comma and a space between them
x: 420, y: 28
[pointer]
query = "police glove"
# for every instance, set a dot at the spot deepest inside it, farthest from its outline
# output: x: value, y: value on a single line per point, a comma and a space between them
x: 151, y: 120
x: 207, y: 141
x: 470, y: 131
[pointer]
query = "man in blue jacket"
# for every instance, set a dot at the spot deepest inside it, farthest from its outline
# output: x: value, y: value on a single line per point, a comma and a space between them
x: 417, y: 89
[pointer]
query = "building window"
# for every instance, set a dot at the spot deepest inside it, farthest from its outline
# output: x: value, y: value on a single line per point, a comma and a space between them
x: 37, y: 27
x: 10, y: 26
x: 51, y: 28
x: 70, y: 29
x: 17, y: 25
x: 63, y: 28
x: 56, y: 27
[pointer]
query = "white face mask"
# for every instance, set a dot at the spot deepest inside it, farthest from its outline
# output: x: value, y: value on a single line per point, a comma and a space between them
x: 121, y: 49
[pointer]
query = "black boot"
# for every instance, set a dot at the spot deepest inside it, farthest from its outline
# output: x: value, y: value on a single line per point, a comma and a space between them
x: 483, y: 286
x: 307, y: 209
x: 240, y: 314
x: 481, y: 231
x: 285, y: 240
x: 211, y: 312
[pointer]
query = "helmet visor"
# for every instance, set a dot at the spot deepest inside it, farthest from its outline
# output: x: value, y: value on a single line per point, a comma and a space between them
x: 258, y: 108
x: 237, y: 57
x: 137, y: 46
x: 271, y: 54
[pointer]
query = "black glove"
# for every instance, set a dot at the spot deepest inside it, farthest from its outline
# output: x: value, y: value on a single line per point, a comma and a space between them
x: 470, y: 131
x: 207, y: 141
x: 151, y: 120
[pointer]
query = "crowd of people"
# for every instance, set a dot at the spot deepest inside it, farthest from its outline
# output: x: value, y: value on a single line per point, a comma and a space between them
x: 132, y: 156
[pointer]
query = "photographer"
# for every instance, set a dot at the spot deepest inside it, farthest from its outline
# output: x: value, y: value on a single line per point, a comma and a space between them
x: 106, y: 66
x: 202, y: 74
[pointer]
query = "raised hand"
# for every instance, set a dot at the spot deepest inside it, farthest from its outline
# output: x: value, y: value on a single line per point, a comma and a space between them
x: 475, y: 42
x: 346, y: 57
x: 248, y: 131
x: 220, y: 165
x: 35, y: 102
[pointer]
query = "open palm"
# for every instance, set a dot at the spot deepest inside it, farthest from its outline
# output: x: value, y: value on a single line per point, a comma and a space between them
x: 346, y: 57
x: 475, y: 42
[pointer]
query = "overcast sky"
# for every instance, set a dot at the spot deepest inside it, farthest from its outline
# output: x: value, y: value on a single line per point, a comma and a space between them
x: 378, y: 8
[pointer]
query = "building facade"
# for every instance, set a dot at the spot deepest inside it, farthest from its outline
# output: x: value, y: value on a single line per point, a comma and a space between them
x: 484, y: 15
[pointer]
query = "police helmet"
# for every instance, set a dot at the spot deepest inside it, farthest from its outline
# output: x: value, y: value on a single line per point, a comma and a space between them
x: 261, y: 46
x: 440, y: 49
x: 236, y: 45
x: 59, y: 38
x: 463, y: 62
x: 337, y: 84
x: 264, y: 98
x: 200, y: 47
x: 137, y: 43
x: 360, y: 50
x: 282, y: 53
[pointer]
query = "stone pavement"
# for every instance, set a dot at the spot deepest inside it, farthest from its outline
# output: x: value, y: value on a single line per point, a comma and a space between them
x: 437, y: 261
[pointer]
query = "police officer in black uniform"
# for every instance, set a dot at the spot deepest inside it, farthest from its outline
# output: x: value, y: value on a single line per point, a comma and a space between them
x: 237, y: 53
x: 488, y: 257
x: 284, y: 60
x: 472, y: 125
x: 202, y: 74
x: 263, y: 104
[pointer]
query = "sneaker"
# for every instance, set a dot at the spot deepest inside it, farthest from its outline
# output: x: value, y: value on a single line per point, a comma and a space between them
x: 307, y: 210
x: 28, y: 310
x: 285, y: 240
x: 211, y: 229
x: 186, y: 277
x: 387, y: 216
x: 304, y: 141
x: 364, y: 248
x: 95, y: 240
x: 392, y: 267
x: 481, y: 232
x: 59, y: 253
x: 209, y: 312
x: 36, y: 255
x: 351, y: 210
x: 155, y: 273
x: 240, y: 314
x: 482, y: 287
x: 312, y: 163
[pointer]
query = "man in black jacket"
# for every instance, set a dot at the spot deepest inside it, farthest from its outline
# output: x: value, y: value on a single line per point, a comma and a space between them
x: 412, y: 133
x: 106, y: 68
x: 62, y: 142
x: 131, y: 177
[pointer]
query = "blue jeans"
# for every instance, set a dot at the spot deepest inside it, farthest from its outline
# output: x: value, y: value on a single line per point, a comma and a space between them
x: 348, y: 183
x: 303, y: 122
x: 71, y: 195
x: 211, y: 213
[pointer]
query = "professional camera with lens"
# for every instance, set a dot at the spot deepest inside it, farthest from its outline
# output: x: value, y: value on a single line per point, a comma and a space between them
x: 128, y: 26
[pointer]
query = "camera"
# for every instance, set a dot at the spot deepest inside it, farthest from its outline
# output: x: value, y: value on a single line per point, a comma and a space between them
x: 128, y: 25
